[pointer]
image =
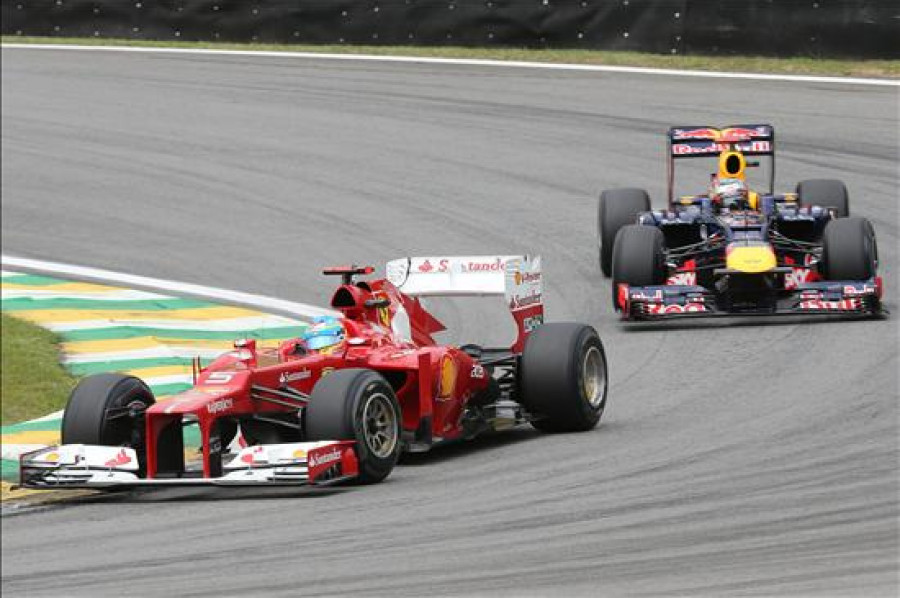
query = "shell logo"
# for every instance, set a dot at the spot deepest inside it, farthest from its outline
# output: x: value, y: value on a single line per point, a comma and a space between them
x: 447, y: 381
x: 298, y: 454
x: 384, y: 316
x: 52, y: 457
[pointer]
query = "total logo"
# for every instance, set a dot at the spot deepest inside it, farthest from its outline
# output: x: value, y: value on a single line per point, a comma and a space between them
x: 220, y: 405
x: 319, y: 459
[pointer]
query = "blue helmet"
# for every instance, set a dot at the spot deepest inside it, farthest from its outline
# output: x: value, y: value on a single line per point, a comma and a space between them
x: 323, y: 333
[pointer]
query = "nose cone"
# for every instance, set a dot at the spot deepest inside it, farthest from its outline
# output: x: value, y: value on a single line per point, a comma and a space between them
x: 751, y: 259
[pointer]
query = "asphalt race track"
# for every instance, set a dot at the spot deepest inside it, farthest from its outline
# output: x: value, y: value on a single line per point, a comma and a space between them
x: 749, y: 458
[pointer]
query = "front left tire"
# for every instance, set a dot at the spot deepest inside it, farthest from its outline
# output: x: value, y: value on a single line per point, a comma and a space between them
x: 359, y: 405
x: 639, y: 259
x: 108, y: 410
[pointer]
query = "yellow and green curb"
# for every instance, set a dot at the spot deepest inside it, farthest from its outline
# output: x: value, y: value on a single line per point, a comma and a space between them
x: 116, y: 329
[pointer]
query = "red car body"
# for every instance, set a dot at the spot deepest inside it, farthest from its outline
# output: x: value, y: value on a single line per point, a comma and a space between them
x: 444, y: 392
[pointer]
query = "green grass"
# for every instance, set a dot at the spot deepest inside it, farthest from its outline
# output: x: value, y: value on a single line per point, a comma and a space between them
x: 33, y: 381
x: 750, y: 64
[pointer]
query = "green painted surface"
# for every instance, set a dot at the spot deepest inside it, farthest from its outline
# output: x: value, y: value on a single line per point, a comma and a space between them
x: 96, y: 367
x: 34, y: 280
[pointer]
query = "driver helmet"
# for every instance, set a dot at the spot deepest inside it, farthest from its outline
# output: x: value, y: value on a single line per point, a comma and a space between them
x: 324, y: 334
x: 730, y: 193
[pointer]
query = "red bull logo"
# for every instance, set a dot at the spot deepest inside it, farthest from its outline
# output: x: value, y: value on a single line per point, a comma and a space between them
x: 696, y: 133
x: 729, y: 135
x: 738, y: 134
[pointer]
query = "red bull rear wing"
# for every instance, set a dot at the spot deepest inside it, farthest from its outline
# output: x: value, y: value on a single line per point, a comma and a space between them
x: 705, y: 141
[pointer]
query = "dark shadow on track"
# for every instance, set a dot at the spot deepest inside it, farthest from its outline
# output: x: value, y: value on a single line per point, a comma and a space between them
x: 462, y: 448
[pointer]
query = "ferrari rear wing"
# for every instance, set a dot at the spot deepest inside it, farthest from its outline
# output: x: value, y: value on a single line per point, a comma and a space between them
x: 517, y: 278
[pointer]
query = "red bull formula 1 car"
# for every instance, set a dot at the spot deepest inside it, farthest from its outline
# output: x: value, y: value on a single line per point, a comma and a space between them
x: 735, y: 250
x: 341, y: 402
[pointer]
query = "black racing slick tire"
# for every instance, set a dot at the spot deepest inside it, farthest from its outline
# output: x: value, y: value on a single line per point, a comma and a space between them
x: 826, y: 193
x: 849, y: 250
x: 108, y: 410
x: 618, y: 208
x: 563, y: 377
x: 359, y: 405
x: 639, y: 258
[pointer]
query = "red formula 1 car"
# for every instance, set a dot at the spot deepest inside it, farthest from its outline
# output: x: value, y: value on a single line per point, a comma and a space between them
x: 342, y: 401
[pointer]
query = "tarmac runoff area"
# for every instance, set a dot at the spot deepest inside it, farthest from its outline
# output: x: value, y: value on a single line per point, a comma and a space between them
x: 734, y: 458
x: 115, y: 329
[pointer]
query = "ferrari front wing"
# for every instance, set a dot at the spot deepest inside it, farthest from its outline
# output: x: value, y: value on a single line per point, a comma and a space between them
x: 89, y: 466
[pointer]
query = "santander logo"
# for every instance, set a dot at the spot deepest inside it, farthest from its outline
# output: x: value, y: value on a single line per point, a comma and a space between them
x: 497, y: 265
x: 427, y: 267
x: 319, y: 459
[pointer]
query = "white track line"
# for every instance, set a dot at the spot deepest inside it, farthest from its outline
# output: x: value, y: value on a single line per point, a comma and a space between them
x: 468, y: 62
x: 172, y: 379
x: 228, y: 325
x: 104, y: 295
x: 182, y: 288
x: 159, y: 352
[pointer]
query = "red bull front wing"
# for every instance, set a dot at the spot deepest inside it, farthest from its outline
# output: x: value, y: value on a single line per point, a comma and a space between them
x: 815, y: 298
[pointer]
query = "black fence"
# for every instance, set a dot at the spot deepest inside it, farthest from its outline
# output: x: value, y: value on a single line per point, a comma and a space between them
x: 817, y: 28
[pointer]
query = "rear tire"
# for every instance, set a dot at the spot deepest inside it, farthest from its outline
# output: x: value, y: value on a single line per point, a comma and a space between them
x: 826, y: 193
x: 618, y: 208
x: 639, y: 258
x: 359, y: 405
x: 849, y: 250
x: 107, y: 410
x: 563, y: 377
